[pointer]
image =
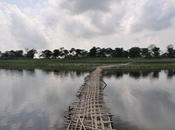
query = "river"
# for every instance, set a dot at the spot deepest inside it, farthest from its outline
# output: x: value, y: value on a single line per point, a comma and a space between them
x: 37, y: 99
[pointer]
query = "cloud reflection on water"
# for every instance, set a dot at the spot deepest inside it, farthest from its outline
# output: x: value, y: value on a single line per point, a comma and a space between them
x: 35, y: 99
x: 143, y: 101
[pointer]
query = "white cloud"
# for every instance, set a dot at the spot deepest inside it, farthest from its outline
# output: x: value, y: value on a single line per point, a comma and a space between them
x: 154, y: 15
x: 19, y: 30
x: 82, y: 23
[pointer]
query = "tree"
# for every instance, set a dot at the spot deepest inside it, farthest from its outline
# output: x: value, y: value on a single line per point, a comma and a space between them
x: 65, y: 52
x: 31, y: 53
x: 170, y: 51
x: 93, y: 52
x: 98, y: 51
x: 5, y: 54
x: 80, y: 53
x: 19, y: 53
x: 9, y: 54
x: 72, y: 52
x: 145, y: 53
x: 108, y: 52
x: 84, y: 53
x: 12, y: 54
x: 46, y: 54
x: 135, y: 52
x: 101, y: 52
x: 56, y: 53
x: 118, y: 52
x: 156, y: 52
x: 125, y: 54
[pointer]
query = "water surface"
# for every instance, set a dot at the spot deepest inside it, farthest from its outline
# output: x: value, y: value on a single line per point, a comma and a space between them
x: 36, y: 100
x: 142, y: 100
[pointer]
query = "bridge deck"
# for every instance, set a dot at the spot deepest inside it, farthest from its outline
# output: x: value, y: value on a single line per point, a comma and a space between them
x: 89, y: 111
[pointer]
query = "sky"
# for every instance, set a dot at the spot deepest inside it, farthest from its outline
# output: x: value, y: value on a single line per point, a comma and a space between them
x: 50, y: 24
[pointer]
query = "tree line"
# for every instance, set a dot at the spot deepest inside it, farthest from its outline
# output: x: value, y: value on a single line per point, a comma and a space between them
x: 95, y: 52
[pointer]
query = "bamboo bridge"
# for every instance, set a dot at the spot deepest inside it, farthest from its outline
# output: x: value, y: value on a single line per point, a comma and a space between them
x: 89, y: 112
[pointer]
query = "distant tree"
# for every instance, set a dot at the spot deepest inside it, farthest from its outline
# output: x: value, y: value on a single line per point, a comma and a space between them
x: 125, y: 54
x: 101, y: 52
x: 72, y: 52
x: 56, y: 53
x: 98, y: 51
x: 19, y: 53
x: 118, y: 52
x: 156, y: 52
x: 80, y: 53
x: 66, y: 53
x: 93, y: 52
x: 63, y: 52
x: 5, y: 54
x: 12, y: 54
x: 108, y: 52
x: 134, y: 52
x: 31, y: 53
x: 46, y: 54
x: 170, y: 51
x: 8, y: 54
x: 84, y: 53
x: 145, y: 53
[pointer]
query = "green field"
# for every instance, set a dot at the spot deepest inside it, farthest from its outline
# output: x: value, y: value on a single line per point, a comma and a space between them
x: 87, y: 64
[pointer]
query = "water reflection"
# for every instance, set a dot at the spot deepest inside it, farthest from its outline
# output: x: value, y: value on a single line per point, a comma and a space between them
x: 170, y: 73
x: 35, y: 99
x: 124, y: 125
x: 144, y: 100
x: 140, y: 74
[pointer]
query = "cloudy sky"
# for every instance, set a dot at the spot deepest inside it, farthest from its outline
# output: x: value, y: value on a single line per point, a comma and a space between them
x: 52, y: 24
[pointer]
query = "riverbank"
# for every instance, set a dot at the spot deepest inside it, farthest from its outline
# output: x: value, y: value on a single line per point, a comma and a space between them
x: 88, y: 64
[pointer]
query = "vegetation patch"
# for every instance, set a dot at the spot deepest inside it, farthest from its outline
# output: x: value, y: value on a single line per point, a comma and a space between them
x: 88, y: 64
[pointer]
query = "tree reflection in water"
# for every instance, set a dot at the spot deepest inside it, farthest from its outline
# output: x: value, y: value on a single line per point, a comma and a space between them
x: 143, y: 99
x: 139, y: 74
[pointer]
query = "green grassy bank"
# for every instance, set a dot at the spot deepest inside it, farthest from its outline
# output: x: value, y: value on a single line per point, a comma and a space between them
x: 87, y: 64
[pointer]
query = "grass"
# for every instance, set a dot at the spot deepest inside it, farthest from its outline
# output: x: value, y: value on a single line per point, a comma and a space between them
x: 145, y: 66
x: 87, y: 64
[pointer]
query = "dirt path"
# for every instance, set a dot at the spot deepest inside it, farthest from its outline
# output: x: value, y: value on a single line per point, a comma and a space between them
x: 89, y: 111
